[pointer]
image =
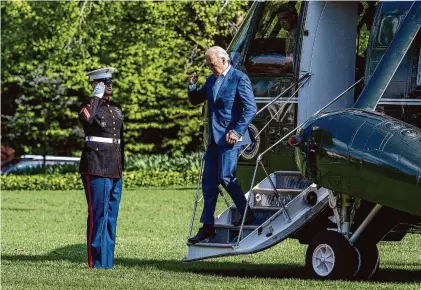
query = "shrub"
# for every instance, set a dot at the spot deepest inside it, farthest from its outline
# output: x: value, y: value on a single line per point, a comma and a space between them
x: 186, y: 162
x: 139, y: 162
x: 48, y: 169
x: 72, y: 181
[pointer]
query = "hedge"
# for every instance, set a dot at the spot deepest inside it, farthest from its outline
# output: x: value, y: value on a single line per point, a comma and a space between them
x: 144, y: 178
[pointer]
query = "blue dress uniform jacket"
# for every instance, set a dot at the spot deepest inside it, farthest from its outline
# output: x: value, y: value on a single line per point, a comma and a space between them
x: 101, y: 169
x: 232, y: 107
x: 101, y: 118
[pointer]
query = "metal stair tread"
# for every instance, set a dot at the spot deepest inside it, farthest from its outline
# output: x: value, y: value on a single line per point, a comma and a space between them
x: 213, y: 245
x: 231, y: 227
x: 279, y: 190
x: 268, y: 208
x: 288, y: 173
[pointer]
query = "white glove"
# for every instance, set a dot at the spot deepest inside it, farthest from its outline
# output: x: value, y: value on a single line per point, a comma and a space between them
x: 99, y: 90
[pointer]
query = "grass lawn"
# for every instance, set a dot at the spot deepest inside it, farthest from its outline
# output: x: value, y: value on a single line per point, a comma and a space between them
x: 43, y: 247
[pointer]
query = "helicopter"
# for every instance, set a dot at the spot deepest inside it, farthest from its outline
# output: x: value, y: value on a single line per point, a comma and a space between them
x: 359, y: 163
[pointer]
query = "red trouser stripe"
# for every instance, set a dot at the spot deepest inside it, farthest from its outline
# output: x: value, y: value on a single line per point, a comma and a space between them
x: 91, y: 222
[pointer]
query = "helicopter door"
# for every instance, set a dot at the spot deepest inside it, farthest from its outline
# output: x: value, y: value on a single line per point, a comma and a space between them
x: 270, y: 63
x: 267, y: 49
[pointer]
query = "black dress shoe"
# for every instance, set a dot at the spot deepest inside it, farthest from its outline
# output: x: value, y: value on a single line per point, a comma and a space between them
x: 250, y: 218
x: 204, y: 233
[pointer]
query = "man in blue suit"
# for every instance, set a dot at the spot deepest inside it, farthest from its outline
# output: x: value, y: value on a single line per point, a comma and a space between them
x: 231, y: 108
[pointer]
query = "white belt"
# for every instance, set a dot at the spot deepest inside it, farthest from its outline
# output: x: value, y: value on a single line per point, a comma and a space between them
x: 102, y: 140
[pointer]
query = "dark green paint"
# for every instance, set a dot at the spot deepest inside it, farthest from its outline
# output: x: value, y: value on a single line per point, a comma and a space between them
x: 366, y: 155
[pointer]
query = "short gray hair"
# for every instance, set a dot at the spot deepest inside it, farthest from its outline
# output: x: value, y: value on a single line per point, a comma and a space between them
x: 218, y: 51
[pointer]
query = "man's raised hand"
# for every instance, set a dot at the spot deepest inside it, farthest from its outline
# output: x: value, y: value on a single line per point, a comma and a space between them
x: 193, y: 79
x: 99, y: 90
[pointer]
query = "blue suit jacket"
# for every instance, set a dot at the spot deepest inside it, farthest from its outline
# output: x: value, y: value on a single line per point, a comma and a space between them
x: 233, y: 109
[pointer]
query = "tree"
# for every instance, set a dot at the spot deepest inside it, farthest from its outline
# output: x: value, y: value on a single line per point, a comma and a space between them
x: 47, y: 47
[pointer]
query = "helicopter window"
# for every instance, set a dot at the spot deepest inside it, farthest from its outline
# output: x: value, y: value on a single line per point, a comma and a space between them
x: 388, y: 27
x: 272, y: 48
x: 239, y: 42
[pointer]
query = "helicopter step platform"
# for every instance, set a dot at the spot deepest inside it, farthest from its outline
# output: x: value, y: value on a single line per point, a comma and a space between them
x: 278, y: 215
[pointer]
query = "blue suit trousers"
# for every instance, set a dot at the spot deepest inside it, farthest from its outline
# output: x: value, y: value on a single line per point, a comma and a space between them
x: 220, y: 167
x: 103, y: 197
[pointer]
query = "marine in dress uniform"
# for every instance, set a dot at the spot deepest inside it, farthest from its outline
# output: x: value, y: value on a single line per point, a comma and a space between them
x: 101, y: 167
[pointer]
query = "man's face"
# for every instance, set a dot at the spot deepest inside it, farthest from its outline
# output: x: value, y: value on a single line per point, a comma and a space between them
x: 284, y: 20
x: 108, y: 89
x: 216, y: 64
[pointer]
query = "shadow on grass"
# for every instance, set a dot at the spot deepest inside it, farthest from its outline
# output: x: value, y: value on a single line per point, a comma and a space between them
x: 169, y: 188
x: 77, y: 254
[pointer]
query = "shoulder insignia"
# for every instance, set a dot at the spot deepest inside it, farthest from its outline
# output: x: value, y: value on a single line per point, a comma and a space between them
x: 85, y: 113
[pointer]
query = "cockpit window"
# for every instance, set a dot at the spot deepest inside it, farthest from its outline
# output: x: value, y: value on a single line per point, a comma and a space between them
x: 273, y: 45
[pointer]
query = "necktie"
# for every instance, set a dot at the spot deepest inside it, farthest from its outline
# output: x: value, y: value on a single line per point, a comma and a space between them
x: 217, y: 85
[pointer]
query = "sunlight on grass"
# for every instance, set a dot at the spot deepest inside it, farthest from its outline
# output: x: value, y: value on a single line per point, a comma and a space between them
x: 43, y: 247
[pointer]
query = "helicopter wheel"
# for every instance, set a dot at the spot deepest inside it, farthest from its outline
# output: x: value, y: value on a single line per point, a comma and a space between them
x: 331, y: 256
x: 369, y: 259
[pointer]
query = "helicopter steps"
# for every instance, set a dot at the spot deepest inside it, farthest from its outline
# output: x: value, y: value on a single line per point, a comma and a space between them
x: 272, y: 222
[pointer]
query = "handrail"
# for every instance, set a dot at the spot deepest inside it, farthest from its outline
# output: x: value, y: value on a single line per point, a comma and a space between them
x: 305, y: 76
x: 314, y: 115
x: 196, y: 196
x: 260, y: 158
x: 267, y: 123
x: 197, y: 199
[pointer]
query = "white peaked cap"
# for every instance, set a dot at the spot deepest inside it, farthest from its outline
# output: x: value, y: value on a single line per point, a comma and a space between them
x: 102, y: 73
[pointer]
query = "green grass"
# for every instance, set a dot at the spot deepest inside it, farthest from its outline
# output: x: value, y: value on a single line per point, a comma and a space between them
x: 43, y: 247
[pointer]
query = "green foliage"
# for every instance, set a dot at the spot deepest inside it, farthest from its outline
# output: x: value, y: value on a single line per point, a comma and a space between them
x: 187, y: 162
x: 72, y: 181
x: 156, y: 162
x: 154, y: 178
x: 48, y: 169
x: 363, y: 40
x: 363, y: 32
x: 47, y: 47
x: 41, y: 182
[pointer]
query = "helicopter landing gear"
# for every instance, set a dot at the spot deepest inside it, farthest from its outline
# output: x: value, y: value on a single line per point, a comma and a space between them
x: 340, y: 254
x: 330, y: 256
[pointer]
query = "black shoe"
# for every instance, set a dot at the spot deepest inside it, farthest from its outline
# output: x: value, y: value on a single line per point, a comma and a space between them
x: 250, y: 218
x: 204, y: 233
